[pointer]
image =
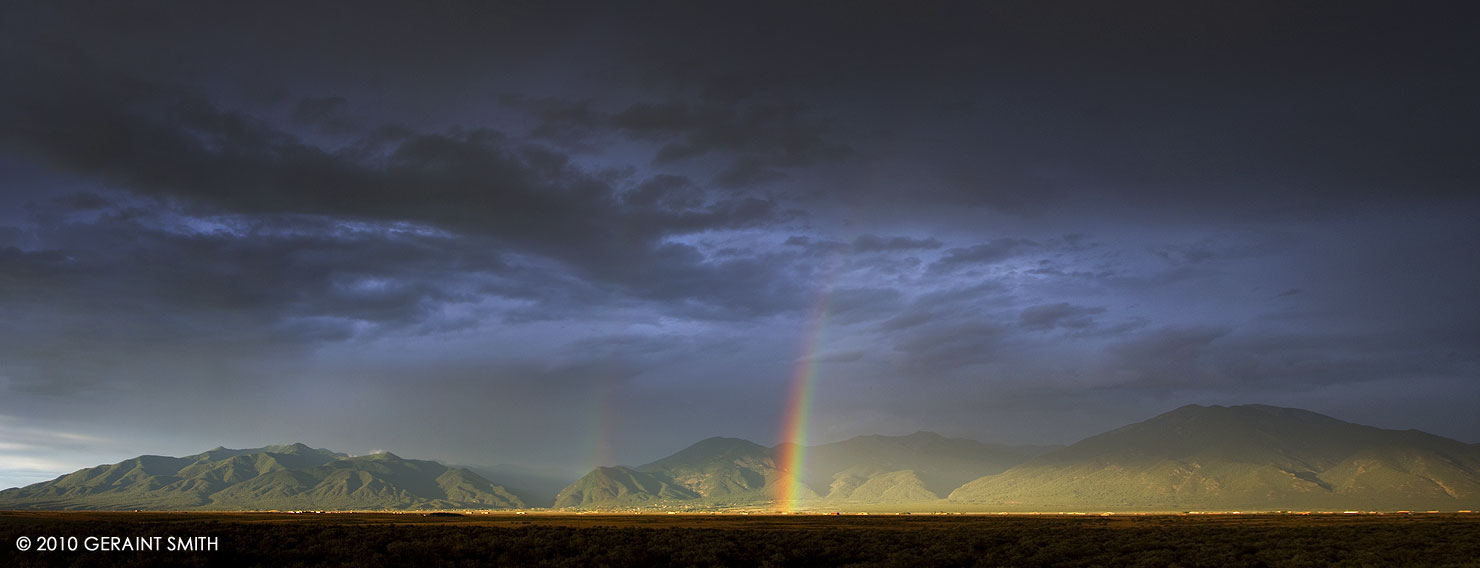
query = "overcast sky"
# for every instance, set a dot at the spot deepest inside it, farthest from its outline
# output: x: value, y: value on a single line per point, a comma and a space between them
x: 567, y: 235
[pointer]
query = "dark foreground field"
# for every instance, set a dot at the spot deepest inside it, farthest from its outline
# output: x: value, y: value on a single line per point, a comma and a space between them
x: 272, y: 539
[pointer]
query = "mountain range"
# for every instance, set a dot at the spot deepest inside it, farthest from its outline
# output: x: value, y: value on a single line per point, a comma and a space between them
x: 1251, y: 457
x: 291, y: 477
x: 1241, y: 457
x: 720, y: 472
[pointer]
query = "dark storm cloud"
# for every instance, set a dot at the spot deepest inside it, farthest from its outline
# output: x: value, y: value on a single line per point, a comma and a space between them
x: 882, y: 254
x: 947, y: 305
x: 937, y: 351
x: 1275, y: 363
x: 1166, y: 356
x: 1222, y: 247
x: 1146, y: 101
x: 327, y: 114
x: 781, y: 134
x: 997, y: 250
x: 746, y: 172
x: 666, y: 191
x: 123, y: 285
x: 564, y: 122
x: 523, y: 196
x: 10, y: 237
x: 758, y: 139
x: 1259, y: 106
x: 1060, y: 315
x: 853, y: 305
x: 82, y: 201
x: 876, y: 243
x: 496, y: 215
x: 278, y: 285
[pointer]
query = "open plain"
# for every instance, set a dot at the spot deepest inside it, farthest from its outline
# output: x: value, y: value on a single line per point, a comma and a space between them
x: 552, y: 539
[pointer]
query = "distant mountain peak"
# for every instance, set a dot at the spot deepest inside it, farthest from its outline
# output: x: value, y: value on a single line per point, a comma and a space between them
x: 293, y: 448
x: 1244, y: 414
x: 723, y: 471
x: 722, y: 442
x: 916, y: 436
x: 709, y: 449
x: 293, y: 476
x: 1238, y: 457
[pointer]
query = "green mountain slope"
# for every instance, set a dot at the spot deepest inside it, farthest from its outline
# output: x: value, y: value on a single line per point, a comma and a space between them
x: 938, y: 463
x: 864, y: 485
x: 720, y: 472
x: 274, y: 477
x: 712, y: 472
x: 609, y: 486
x: 1241, y: 457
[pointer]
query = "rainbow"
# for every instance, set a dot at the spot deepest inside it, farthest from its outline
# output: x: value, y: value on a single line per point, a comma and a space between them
x: 799, y: 402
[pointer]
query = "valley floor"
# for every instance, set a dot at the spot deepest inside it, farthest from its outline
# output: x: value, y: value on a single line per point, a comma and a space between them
x: 396, y: 539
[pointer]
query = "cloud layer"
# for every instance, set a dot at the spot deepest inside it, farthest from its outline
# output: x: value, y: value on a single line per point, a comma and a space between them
x: 438, y: 227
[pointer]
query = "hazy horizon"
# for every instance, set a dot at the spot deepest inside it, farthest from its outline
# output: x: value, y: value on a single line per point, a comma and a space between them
x: 575, y: 234
x: 552, y: 471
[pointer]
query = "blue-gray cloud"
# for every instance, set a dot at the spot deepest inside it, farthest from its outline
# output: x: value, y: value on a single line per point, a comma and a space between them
x: 949, y: 207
